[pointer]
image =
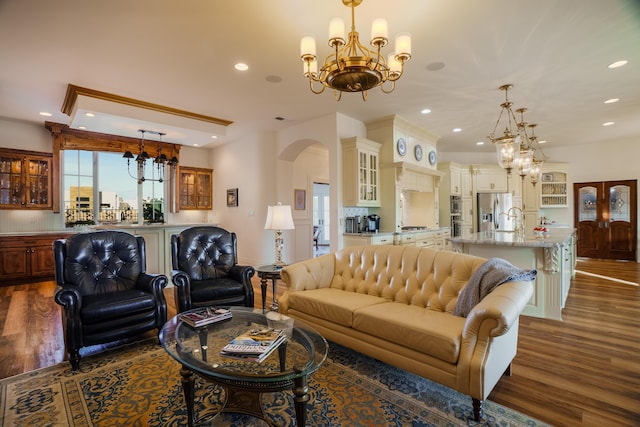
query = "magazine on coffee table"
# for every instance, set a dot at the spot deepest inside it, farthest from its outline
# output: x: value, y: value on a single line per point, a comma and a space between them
x: 205, y: 316
x: 254, y: 344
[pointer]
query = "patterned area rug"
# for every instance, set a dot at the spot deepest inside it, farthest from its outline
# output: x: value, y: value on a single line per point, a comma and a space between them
x: 139, y: 385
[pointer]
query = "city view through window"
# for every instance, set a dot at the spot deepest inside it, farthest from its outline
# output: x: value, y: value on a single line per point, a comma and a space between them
x: 98, y: 188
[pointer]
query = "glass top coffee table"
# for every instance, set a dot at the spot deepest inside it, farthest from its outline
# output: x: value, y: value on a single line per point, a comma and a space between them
x: 289, y: 367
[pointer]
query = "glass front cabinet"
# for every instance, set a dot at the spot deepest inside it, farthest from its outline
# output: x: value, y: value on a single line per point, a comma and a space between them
x: 25, y: 180
x: 361, y: 172
x: 195, y: 188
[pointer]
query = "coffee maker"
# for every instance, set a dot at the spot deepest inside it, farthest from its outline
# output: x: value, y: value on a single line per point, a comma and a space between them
x: 373, y: 223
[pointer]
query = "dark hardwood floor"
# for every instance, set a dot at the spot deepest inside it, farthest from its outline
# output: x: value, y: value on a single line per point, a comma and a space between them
x: 583, y: 371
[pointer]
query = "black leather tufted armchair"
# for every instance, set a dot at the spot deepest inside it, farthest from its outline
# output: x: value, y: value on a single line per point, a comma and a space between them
x: 206, y: 271
x: 104, y: 290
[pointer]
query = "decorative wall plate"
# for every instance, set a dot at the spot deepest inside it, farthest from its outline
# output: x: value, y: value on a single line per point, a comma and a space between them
x: 417, y: 152
x: 401, y: 146
x: 432, y: 157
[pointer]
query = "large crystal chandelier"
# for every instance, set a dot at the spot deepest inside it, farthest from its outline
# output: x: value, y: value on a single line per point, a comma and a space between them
x: 353, y: 67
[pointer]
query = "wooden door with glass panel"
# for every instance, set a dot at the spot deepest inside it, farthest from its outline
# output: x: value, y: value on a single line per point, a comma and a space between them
x: 606, y: 219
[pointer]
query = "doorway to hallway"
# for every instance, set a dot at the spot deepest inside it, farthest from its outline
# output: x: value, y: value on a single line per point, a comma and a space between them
x: 321, y: 218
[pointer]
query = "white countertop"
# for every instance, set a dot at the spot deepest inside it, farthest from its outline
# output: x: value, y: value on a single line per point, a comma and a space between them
x: 394, y: 233
x: 556, y: 236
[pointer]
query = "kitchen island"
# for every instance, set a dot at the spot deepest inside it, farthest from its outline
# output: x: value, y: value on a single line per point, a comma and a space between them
x: 552, y: 255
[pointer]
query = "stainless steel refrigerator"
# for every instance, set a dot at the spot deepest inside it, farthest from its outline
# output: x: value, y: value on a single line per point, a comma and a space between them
x: 493, y: 209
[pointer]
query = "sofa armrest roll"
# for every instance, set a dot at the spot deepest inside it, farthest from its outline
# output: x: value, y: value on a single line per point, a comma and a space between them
x: 503, y: 306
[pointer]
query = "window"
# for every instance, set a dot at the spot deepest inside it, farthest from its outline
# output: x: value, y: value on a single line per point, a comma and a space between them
x: 98, y: 188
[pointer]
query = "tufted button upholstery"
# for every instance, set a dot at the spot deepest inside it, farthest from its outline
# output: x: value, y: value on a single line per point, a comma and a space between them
x: 206, y: 270
x: 104, y: 290
x: 429, y: 279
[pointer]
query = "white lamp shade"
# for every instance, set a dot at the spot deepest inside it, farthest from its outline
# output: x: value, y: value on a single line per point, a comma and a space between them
x: 379, y: 29
x: 395, y: 67
x: 403, y: 44
x: 308, y: 46
x: 336, y: 28
x: 279, y: 218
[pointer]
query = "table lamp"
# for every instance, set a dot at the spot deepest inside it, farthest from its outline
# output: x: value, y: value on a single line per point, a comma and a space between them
x: 279, y: 218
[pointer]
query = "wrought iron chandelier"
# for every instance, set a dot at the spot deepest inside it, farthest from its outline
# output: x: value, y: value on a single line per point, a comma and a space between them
x: 515, y: 148
x: 142, y: 158
x: 354, y: 67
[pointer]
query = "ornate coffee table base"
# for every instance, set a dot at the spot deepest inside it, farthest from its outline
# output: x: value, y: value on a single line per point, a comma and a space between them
x: 244, y: 397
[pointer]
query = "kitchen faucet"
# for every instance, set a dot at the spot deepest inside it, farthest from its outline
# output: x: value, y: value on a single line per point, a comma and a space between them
x: 518, y: 219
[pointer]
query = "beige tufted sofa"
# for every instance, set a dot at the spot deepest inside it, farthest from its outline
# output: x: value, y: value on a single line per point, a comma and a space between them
x: 395, y: 303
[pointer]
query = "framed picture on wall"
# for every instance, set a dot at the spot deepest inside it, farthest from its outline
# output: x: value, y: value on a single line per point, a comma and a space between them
x: 300, y: 199
x: 232, y: 197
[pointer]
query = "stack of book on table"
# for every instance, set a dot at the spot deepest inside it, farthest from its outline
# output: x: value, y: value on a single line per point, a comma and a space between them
x: 205, y: 316
x: 255, y: 344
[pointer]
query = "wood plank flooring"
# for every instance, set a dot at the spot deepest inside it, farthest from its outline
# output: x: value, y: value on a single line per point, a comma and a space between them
x: 584, y: 371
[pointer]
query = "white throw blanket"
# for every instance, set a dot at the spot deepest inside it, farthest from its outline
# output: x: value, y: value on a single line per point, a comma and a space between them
x: 492, y: 273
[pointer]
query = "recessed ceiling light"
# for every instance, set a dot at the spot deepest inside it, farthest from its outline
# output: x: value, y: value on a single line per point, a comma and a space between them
x: 608, y: 123
x: 618, y: 64
x: 435, y: 66
x: 214, y: 136
x: 457, y: 129
x: 44, y: 113
x: 82, y: 127
x: 611, y: 101
x: 425, y: 111
x: 273, y: 79
x: 89, y: 114
x: 240, y: 66
x: 480, y: 143
x: 544, y: 141
x: 196, y: 145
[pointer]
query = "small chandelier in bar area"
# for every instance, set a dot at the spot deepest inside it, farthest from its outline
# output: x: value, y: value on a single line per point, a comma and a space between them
x: 354, y: 67
x: 142, y: 158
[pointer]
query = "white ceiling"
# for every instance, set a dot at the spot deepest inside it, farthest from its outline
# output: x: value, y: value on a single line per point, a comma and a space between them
x: 181, y: 54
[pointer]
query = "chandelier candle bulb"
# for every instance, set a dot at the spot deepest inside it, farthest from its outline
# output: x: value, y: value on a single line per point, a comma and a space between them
x: 379, y: 30
x: 395, y: 67
x: 336, y: 29
x: 403, y: 44
x: 307, y: 47
x: 313, y: 68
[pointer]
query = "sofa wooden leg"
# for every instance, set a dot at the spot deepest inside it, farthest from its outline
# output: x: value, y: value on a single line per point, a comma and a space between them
x: 477, y: 409
x: 74, y: 359
x: 507, y: 372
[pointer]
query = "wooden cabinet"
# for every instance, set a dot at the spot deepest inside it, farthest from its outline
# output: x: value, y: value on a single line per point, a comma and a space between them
x: 24, y: 258
x: 361, y: 172
x: 195, y: 188
x: 25, y: 180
